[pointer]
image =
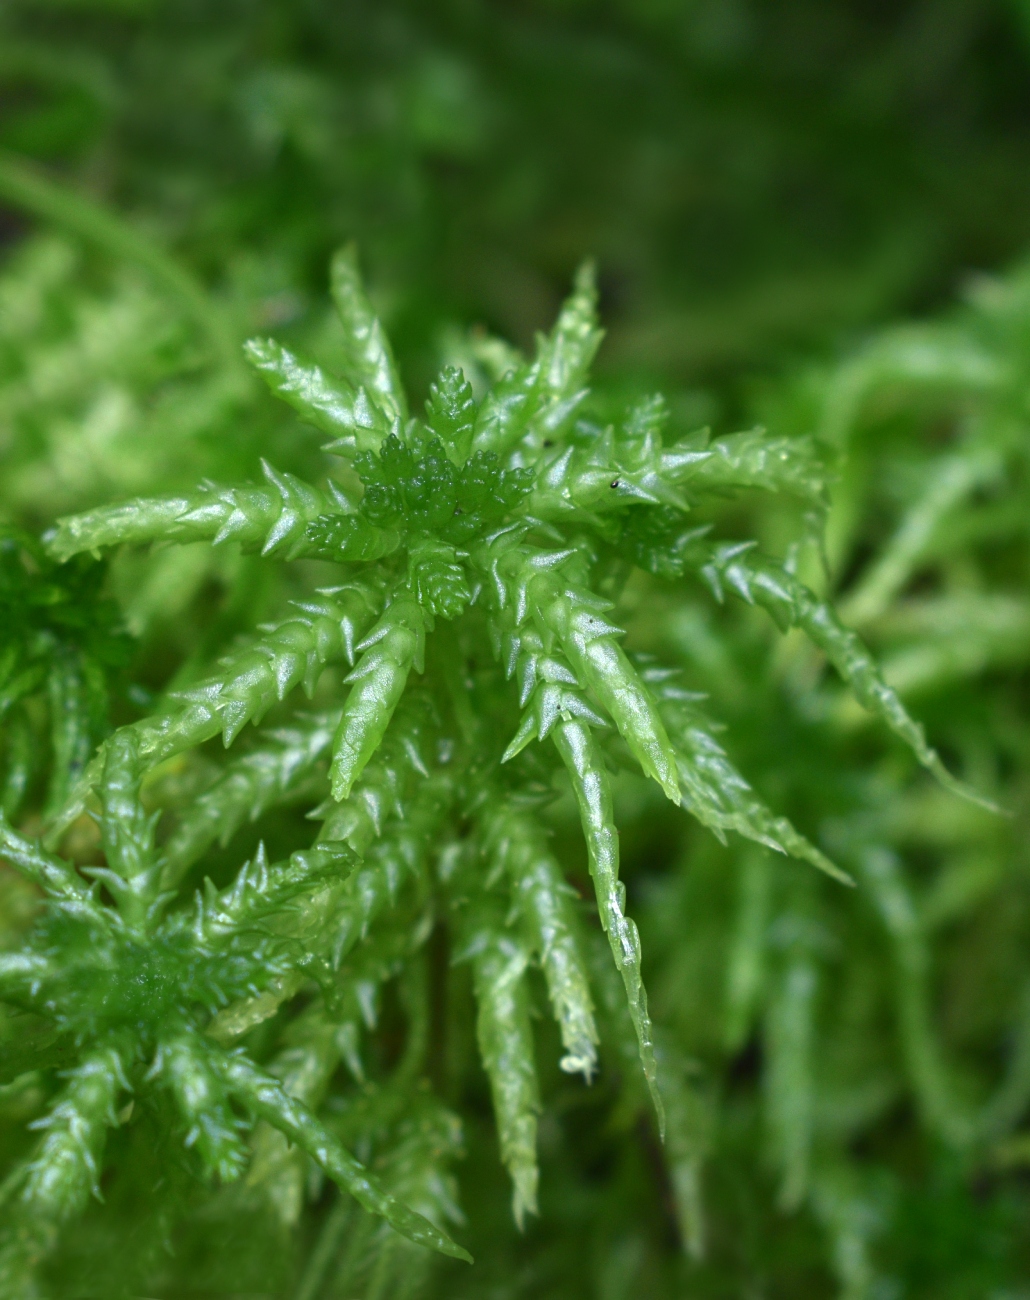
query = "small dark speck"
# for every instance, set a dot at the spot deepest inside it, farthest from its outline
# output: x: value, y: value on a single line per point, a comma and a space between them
x: 615, y: 482
x: 548, y: 442
x: 458, y: 510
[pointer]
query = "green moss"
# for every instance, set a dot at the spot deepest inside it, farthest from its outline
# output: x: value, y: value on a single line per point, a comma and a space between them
x: 287, y: 971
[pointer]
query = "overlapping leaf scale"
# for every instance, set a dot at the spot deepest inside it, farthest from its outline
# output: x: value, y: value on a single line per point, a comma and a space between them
x: 451, y: 413
x: 791, y: 603
x: 605, y: 669
x: 515, y: 573
x: 182, y: 1064
x: 367, y: 355
x: 414, y: 488
x: 755, y: 459
x: 386, y: 955
x: 281, y: 764
x: 348, y: 415
x: 401, y: 855
x: 515, y: 845
x: 548, y: 686
x: 55, y: 1183
x: 505, y: 1037
x: 294, y: 652
x: 198, y: 1076
x: 438, y: 578
x: 316, y: 1043
x: 388, y: 653
x: 330, y: 921
x: 416, y: 1171
x: 271, y: 519
x: 288, y: 654
x: 713, y: 790
x: 359, y: 1254
x: 591, y: 786
x: 602, y: 470
x: 381, y: 793
x: 500, y: 956
x: 262, y: 893
x: 131, y: 875
x: 524, y: 582
x: 669, y: 551
x: 266, y: 1098
x: 536, y: 403
x: 360, y: 408
x: 56, y: 878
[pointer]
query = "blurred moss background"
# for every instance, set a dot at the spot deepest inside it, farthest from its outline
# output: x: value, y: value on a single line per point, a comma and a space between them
x: 753, y: 178
x: 768, y: 189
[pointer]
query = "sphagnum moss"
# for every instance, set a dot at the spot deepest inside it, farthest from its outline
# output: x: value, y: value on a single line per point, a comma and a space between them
x: 478, y: 574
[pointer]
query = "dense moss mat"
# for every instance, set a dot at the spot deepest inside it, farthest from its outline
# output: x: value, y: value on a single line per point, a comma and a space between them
x: 281, y: 972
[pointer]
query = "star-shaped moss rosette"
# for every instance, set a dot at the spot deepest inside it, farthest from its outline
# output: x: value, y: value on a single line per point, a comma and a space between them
x: 469, y: 612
